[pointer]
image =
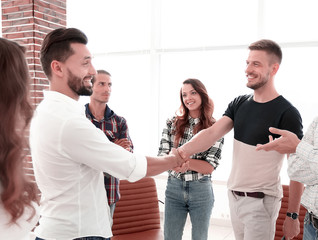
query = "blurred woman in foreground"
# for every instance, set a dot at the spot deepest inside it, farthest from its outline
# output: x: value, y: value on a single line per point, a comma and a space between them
x: 18, y: 196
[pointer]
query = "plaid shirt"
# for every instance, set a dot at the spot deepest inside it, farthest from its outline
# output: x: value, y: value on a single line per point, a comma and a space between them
x: 114, y: 127
x: 212, y: 155
x: 303, y: 167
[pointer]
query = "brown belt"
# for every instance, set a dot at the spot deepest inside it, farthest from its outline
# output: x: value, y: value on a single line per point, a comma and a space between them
x: 250, y: 194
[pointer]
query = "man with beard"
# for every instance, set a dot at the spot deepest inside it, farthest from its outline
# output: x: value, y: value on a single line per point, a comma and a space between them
x: 70, y: 154
x: 254, y: 185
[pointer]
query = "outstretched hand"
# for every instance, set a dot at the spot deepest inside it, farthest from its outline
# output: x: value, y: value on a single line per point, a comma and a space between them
x: 286, y: 143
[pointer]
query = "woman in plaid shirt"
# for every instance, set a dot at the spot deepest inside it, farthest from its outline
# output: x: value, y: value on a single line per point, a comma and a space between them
x: 190, y: 192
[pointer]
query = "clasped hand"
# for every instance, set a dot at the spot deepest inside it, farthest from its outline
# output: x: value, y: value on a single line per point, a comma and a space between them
x: 182, y: 164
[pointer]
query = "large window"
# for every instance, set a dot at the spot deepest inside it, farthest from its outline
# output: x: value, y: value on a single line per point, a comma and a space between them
x: 151, y: 46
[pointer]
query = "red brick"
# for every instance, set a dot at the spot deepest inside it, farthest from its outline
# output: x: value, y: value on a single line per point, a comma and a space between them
x: 17, y: 22
x: 27, y: 22
x: 43, y: 80
x: 9, y: 10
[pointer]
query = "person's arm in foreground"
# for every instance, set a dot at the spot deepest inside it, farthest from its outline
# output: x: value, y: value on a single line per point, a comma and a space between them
x: 157, y: 165
x: 109, y: 157
x: 291, y: 227
x: 206, y: 138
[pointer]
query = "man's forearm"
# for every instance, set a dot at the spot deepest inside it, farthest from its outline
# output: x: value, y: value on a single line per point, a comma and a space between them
x: 199, y: 143
x: 295, y: 191
x: 206, y: 138
x: 157, y: 165
x: 200, y: 166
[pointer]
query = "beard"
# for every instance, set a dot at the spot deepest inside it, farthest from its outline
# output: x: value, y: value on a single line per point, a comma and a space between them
x: 261, y: 83
x: 75, y: 83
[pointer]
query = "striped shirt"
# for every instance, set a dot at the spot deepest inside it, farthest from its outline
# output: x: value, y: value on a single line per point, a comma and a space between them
x: 114, y: 127
x: 303, y: 167
x: 212, y: 155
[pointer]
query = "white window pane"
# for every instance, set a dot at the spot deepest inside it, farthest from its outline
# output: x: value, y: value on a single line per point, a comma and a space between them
x: 132, y: 97
x: 291, y: 20
x: 297, y: 81
x: 188, y: 23
x: 121, y: 25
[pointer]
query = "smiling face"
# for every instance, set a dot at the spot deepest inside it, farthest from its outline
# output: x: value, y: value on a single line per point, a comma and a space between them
x: 258, y: 69
x: 80, y: 70
x: 191, y: 99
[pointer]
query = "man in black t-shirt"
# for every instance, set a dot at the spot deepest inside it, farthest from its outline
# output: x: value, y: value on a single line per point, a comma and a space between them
x: 254, y: 184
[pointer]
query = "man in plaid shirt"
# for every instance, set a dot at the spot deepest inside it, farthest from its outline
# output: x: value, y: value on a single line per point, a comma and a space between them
x: 114, y: 127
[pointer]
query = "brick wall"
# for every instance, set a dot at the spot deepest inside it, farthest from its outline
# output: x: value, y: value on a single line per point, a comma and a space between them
x: 27, y: 22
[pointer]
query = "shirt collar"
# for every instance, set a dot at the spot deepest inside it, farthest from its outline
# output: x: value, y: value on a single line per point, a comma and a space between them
x: 108, y: 112
x: 60, y: 97
x: 193, y: 121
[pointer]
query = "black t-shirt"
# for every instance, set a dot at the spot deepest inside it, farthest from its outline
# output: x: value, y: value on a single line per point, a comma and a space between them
x: 252, y: 119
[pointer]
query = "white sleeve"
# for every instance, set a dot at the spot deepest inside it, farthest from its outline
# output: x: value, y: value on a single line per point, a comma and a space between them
x: 86, y: 144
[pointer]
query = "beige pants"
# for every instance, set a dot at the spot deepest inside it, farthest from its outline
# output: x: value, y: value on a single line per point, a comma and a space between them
x: 254, y: 218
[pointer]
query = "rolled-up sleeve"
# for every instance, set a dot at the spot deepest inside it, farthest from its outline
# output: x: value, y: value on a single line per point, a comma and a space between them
x: 213, y: 154
x: 166, y: 141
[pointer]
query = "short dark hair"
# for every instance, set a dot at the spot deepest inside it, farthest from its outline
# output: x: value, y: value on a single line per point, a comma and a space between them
x: 57, y: 46
x: 270, y: 47
x: 101, y: 71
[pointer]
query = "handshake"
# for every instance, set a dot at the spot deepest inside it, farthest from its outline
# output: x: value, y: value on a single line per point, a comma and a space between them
x: 181, y: 161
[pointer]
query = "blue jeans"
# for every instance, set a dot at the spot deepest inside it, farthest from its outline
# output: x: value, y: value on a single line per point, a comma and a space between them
x: 183, y: 197
x: 310, y: 231
x: 83, y: 238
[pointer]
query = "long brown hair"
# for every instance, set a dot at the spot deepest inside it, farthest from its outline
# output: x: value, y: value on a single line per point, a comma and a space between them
x: 206, y: 111
x: 15, y: 115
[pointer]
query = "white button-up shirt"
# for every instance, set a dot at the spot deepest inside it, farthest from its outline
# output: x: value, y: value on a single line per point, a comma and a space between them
x: 303, y: 167
x: 69, y: 157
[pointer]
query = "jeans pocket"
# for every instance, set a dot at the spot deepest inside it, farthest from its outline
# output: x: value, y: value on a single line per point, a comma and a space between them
x: 315, y: 224
x: 205, y: 179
